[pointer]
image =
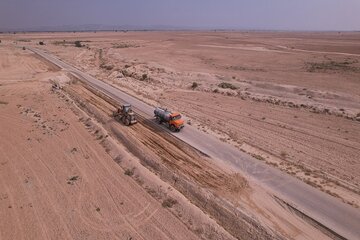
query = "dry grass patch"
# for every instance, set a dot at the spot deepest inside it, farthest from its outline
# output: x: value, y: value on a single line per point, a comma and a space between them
x: 226, y: 85
x: 169, y: 202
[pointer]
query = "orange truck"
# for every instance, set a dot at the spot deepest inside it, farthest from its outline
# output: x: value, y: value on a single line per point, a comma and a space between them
x: 172, y: 120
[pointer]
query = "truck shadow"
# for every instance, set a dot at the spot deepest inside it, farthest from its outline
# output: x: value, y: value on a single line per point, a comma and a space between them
x: 151, y: 124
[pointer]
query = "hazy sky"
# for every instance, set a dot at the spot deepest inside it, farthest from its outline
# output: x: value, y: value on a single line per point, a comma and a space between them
x: 242, y: 14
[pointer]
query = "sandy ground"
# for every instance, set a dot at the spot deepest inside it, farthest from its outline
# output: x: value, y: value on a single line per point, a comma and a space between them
x: 295, y: 99
x: 56, y: 180
x: 287, y: 108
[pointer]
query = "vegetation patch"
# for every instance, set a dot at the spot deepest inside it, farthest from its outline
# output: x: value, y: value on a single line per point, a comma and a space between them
x: 194, y: 85
x: 78, y: 44
x: 241, y: 68
x: 332, y: 66
x: 283, y: 154
x: 24, y: 40
x: 125, y: 45
x: 106, y: 66
x: 258, y: 157
x: 72, y: 179
x: 129, y: 172
x: 227, y: 85
x: 169, y: 203
x: 144, y: 77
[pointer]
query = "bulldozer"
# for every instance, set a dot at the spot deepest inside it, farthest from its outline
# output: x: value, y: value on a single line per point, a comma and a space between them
x: 125, y: 114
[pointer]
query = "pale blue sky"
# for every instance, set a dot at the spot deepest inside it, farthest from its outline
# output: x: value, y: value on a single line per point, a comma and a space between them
x: 241, y: 14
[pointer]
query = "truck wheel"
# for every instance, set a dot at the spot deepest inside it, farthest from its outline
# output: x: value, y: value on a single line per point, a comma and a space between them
x: 158, y: 120
x: 172, y: 128
x: 127, y: 122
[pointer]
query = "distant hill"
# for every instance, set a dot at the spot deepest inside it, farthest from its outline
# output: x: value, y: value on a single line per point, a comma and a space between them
x: 96, y: 27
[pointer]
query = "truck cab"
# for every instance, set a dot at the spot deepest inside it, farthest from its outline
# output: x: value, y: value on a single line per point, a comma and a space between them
x: 177, y: 121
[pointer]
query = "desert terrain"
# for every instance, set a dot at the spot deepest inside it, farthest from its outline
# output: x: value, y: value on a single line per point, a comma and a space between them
x: 57, y: 181
x: 291, y: 100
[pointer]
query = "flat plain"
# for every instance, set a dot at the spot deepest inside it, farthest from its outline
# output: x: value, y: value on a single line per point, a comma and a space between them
x: 289, y: 99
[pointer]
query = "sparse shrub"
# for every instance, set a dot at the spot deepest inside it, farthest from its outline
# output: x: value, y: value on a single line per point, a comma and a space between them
x: 194, y: 85
x: 125, y: 45
x: 118, y: 159
x: 331, y: 66
x: 78, y: 44
x: 215, y: 90
x: 126, y: 73
x: 144, y: 77
x: 41, y: 43
x: 129, y: 172
x: 74, y: 178
x: 107, y: 67
x: 259, y: 157
x: 169, y: 202
x: 24, y: 48
x: 273, y: 164
x: 3, y: 102
x: 283, y: 154
x: 98, y: 209
x: 227, y: 85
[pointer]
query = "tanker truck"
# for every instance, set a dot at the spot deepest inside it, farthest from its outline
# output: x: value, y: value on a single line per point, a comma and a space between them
x: 172, y: 120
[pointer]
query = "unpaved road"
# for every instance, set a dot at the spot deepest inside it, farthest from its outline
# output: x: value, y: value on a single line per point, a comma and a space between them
x: 327, y: 210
